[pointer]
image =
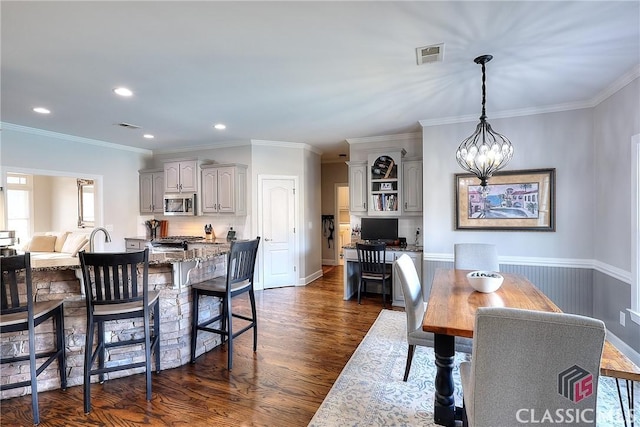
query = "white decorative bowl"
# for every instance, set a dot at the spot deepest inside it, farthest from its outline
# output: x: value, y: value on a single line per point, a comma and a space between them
x: 485, y: 281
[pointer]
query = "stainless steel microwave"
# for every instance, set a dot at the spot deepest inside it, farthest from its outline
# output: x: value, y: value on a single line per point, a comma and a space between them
x: 180, y: 204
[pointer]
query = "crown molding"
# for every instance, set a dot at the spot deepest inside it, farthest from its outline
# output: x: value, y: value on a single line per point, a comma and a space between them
x: 618, y: 84
x: 208, y: 146
x: 386, y: 138
x: 72, y: 138
x: 285, y: 144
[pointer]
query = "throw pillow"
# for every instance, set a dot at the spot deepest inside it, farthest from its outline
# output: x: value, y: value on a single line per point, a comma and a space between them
x: 42, y: 244
x: 61, y: 237
x: 74, y: 243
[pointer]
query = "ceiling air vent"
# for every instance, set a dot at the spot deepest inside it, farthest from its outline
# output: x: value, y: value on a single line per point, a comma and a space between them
x: 429, y: 54
x: 128, y: 125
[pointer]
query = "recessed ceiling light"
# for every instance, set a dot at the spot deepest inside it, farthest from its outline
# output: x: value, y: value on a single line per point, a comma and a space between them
x: 148, y: 136
x: 123, y: 91
x: 41, y: 110
x: 220, y: 126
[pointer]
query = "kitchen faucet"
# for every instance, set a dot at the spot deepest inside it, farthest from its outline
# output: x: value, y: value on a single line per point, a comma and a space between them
x: 107, y: 237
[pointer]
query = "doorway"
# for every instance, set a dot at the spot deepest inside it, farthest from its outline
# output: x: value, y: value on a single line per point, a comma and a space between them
x: 343, y: 221
x: 277, y: 207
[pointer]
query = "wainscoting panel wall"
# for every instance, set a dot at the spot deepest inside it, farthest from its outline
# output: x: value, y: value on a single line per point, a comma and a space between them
x: 569, y: 288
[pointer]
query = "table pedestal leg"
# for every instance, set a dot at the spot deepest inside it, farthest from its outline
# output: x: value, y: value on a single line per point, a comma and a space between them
x: 444, y: 412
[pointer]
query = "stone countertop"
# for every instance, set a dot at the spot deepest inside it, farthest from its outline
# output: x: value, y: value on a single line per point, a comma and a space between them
x: 156, y: 257
x: 203, y: 253
x: 408, y: 248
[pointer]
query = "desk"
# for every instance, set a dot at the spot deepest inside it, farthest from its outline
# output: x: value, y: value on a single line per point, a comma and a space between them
x: 352, y: 270
x: 451, y: 312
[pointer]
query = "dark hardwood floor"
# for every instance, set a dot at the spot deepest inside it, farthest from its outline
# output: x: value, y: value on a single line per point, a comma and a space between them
x: 306, y: 335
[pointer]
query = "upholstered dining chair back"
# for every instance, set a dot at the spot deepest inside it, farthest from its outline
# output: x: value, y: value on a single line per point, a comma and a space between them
x: 414, y: 307
x: 527, y: 365
x: 475, y: 256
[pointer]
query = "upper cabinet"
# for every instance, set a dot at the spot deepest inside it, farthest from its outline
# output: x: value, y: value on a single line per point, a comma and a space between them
x: 151, y: 191
x: 357, y: 186
x: 224, y: 189
x: 385, y: 184
x: 412, y: 186
x: 181, y: 176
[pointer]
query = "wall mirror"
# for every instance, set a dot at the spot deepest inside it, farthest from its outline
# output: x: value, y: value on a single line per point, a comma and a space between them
x: 86, y: 214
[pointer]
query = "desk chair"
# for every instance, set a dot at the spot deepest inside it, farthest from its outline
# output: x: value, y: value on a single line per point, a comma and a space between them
x: 373, y: 268
x: 239, y: 279
x: 414, y: 307
x: 20, y: 313
x: 113, y: 292
x: 475, y: 256
x: 532, y: 362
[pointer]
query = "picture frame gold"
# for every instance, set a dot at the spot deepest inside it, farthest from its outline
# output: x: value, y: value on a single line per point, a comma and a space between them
x: 519, y: 200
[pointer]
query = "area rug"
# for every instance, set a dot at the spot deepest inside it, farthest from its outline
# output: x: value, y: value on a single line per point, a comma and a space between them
x: 370, y: 390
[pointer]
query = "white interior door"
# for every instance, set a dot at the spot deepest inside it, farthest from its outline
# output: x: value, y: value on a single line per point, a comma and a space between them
x: 278, y: 232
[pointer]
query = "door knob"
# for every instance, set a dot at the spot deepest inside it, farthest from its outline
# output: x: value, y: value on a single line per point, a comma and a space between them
x: 267, y: 240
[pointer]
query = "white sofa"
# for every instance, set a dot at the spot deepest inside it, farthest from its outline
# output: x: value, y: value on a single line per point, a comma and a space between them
x: 56, y: 248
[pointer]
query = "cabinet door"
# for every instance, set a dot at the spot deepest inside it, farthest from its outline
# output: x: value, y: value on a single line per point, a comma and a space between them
x: 158, y: 192
x: 385, y: 184
x: 209, y: 190
x: 226, y: 189
x: 241, y: 190
x: 172, y: 177
x: 412, y: 186
x: 146, y: 192
x: 189, y: 176
x: 357, y: 187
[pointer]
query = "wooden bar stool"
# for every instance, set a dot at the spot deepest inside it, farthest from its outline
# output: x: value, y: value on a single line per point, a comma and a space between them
x: 19, y: 312
x: 113, y: 292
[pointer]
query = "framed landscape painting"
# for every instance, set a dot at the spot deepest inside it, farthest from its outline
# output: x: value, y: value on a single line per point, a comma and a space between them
x: 515, y: 200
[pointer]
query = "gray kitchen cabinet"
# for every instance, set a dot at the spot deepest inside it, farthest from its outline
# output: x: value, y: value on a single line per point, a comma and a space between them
x: 412, y: 186
x: 133, y: 244
x: 357, y: 186
x: 181, y: 176
x: 224, y: 189
x: 151, y: 191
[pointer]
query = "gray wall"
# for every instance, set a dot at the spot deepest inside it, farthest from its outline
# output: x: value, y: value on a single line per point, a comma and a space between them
x: 616, y: 120
x: 578, y: 265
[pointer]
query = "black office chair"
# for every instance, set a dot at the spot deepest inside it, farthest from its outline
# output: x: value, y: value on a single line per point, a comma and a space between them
x: 239, y: 279
x: 20, y: 313
x: 113, y: 292
x: 373, y: 268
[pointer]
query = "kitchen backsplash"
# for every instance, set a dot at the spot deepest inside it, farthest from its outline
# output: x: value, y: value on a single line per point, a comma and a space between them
x: 194, y: 226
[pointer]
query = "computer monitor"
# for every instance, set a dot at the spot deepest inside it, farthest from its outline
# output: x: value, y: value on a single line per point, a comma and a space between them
x: 379, y: 229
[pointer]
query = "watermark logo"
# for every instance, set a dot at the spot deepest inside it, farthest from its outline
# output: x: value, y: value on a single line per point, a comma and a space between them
x: 575, y: 383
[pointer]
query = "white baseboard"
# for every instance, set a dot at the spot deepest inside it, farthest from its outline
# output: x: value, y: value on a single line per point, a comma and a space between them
x: 624, y: 348
x: 310, y: 278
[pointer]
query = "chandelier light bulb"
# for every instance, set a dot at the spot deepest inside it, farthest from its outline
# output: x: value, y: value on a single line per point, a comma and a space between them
x: 485, y: 151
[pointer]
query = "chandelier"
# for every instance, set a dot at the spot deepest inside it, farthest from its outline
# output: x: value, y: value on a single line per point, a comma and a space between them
x: 485, y: 151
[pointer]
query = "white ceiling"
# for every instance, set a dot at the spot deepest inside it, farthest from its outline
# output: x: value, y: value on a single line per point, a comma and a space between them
x: 310, y: 72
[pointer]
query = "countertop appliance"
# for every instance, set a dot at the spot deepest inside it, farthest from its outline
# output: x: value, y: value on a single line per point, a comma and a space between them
x: 175, y: 242
x: 180, y: 204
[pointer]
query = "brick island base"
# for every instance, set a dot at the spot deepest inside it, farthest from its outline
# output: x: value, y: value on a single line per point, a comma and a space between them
x: 175, y: 324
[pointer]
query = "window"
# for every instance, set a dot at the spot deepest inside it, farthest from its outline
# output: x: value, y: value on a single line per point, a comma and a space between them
x: 86, y: 216
x: 19, y: 205
x: 635, y: 228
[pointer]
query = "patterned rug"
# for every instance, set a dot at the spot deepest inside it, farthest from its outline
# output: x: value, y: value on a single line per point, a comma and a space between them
x: 370, y: 390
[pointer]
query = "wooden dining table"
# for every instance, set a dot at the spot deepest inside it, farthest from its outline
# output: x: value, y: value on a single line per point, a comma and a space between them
x: 451, y: 312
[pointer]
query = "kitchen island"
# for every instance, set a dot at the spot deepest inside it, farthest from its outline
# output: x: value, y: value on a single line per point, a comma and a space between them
x: 170, y: 272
